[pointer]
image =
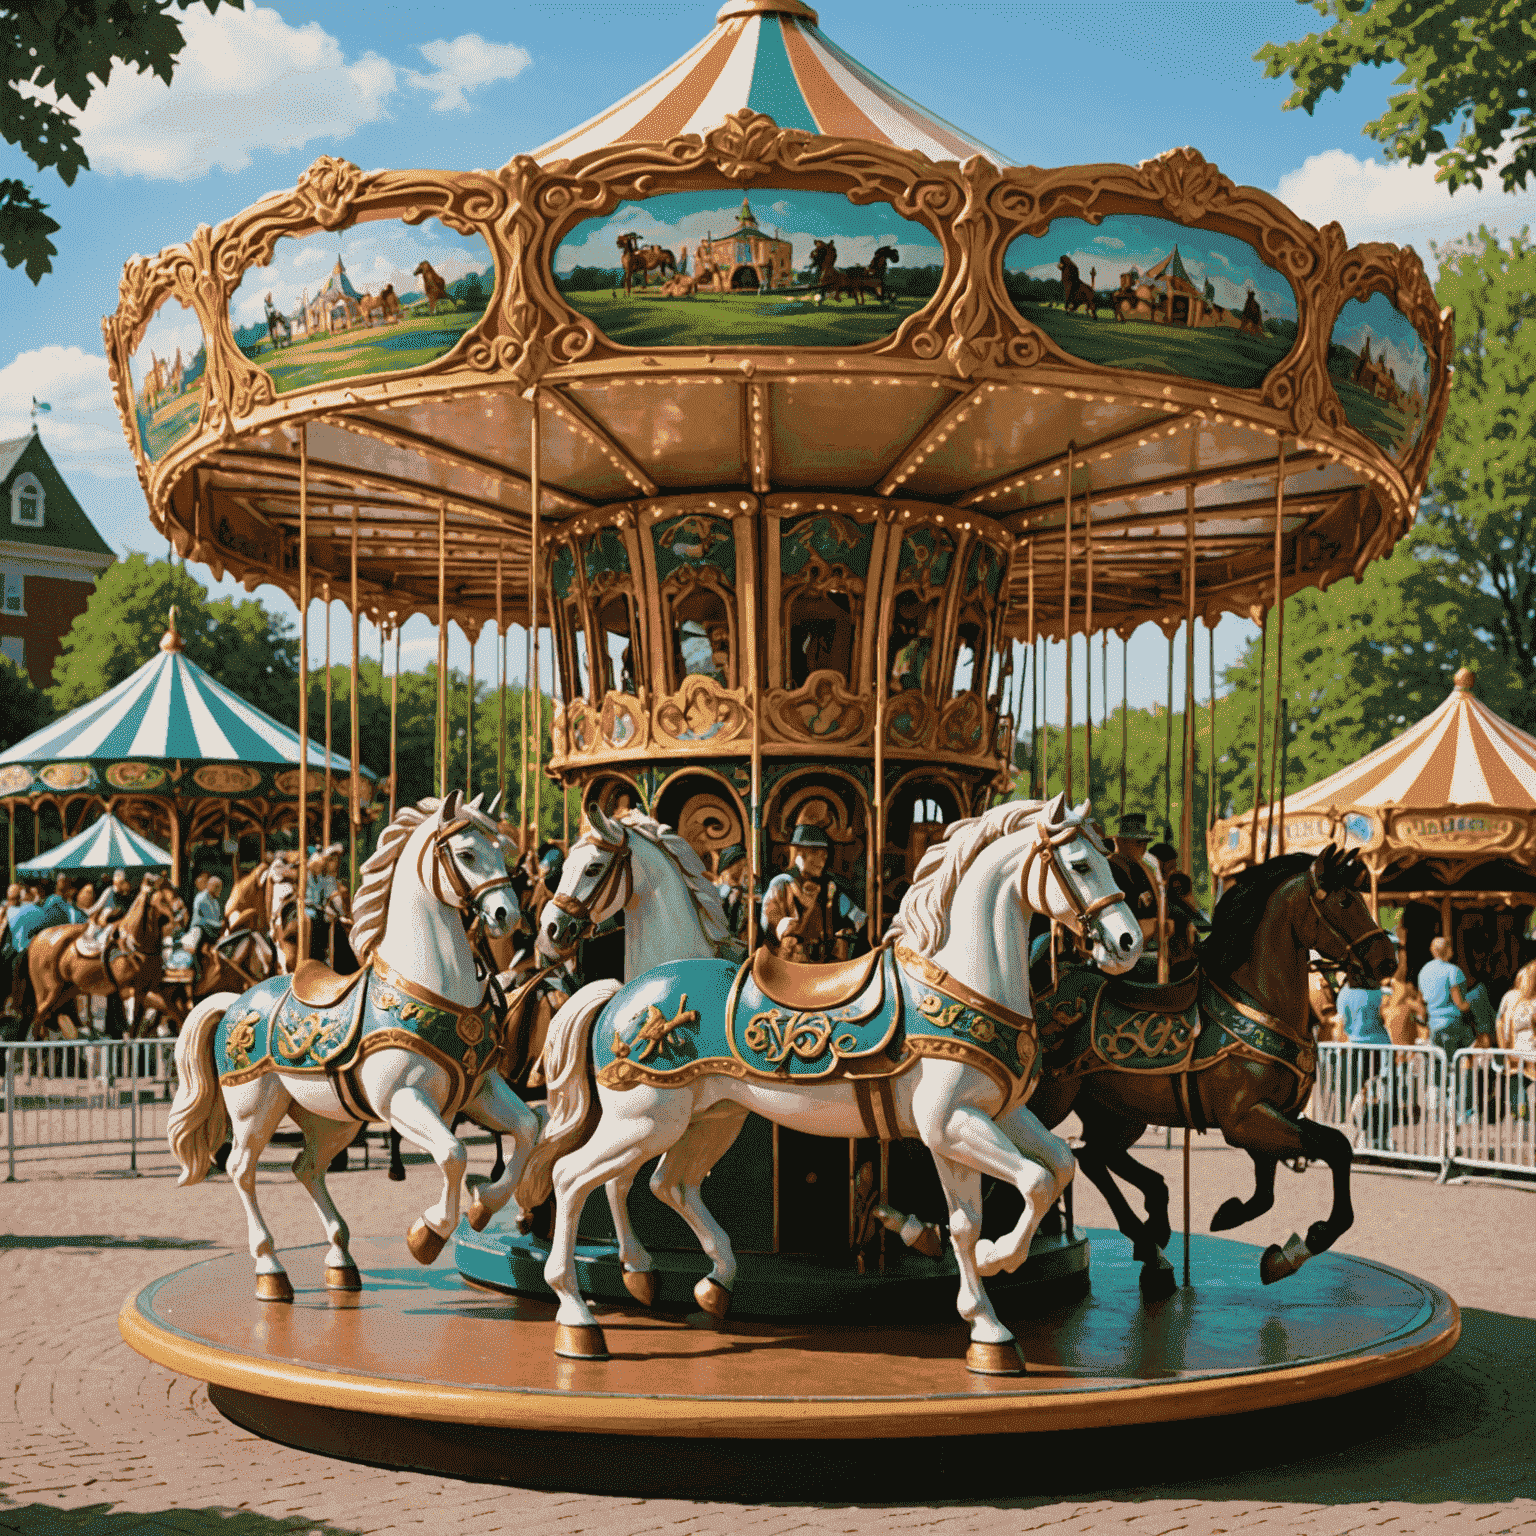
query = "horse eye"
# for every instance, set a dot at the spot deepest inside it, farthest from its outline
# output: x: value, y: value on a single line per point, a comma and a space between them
x: 1081, y: 869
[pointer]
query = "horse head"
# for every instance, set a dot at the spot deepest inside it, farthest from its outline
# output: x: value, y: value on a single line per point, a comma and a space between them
x: 596, y: 882
x: 1343, y: 928
x: 466, y: 843
x: 1066, y: 875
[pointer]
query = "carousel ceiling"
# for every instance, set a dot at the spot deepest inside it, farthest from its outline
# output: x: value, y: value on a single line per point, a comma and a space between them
x: 751, y: 278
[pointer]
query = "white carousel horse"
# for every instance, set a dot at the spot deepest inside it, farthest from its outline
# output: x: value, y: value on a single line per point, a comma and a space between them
x: 409, y: 1040
x: 962, y: 1059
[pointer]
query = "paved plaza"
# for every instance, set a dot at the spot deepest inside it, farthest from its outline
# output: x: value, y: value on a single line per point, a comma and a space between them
x: 99, y: 1440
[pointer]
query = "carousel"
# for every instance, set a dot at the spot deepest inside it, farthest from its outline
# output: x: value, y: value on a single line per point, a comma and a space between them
x: 785, y: 416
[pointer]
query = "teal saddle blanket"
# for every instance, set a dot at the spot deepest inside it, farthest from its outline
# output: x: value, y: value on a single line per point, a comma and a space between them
x: 270, y: 1029
x: 691, y: 1017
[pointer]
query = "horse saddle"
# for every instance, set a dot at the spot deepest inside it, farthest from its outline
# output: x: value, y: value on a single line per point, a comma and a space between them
x: 316, y: 985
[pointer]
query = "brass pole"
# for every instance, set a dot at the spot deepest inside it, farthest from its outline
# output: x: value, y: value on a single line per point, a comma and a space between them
x: 501, y: 692
x: 1125, y: 716
x: 394, y: 718
x: 469, y: 725
x: 1066, y: 630
x: 535, y: 467
x: 522, y: 748
x: 1168, y: 752
x: 303, y: 817
x: 1045, y: 724
x: 1210, y: 783
x: 325, y: 813
x: 1087, y: 646
x: 442, y: 647
x: 1258, y: 750
x: 1276, y: 786
x: 1187, y: 810
x: 354, y: 788
x: 1034, y: 682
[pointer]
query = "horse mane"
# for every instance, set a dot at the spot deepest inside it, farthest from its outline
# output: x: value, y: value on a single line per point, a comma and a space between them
x: 922, y: 921
x: 706, y: 899
x: 1241, y: 909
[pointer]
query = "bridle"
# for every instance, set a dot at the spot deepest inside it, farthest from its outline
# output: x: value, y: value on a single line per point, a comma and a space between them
x: 620, y: 866
x: 1044, y: 858
x: 1317, y: 897
x: 466, y: 896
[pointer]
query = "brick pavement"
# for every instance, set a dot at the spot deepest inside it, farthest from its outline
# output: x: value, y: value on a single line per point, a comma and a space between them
x: 98, y: 1440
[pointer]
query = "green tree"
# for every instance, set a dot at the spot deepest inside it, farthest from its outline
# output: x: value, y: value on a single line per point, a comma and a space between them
x: 23, y: 707
x: 55, y: 53
x: 242, y: 644
x: 1465, y: 65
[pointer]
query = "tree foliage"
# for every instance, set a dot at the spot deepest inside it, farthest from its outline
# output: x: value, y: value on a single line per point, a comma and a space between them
x: 23, y: 707
x: 54, y: 54
x: 1467, y: 65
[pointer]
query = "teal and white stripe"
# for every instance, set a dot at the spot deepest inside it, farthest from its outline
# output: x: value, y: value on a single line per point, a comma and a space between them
x: 105, y: 844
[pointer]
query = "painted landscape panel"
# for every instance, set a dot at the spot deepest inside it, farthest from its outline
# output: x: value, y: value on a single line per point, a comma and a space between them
x: 376, y: 298
x: 1380, y: 370
x: 166, y: 378
x: 776, y: 268
x: 1145, y: 293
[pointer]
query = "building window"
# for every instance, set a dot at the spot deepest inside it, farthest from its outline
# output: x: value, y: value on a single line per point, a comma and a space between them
x: 27, y: 502
x: 15, y: 599
x: 14, y: 648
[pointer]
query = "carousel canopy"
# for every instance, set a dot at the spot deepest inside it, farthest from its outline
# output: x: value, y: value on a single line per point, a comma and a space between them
x: 167, y: 729
x: 1458, y: 787
x: 773, y: 59
x: 105, y: 844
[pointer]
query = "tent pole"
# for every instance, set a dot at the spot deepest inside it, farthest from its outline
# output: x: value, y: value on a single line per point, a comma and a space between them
x: 394, y: 718
x: 1066, y: 630
x: 535, y: 467
x: 1187, y: 810
x: 354, y: 800
x: 1087, y: 646
x: 501, y: 693
x: 325, y: 814
x: 303, y: 816
x: 442, y: 647
x: 1276, y: 787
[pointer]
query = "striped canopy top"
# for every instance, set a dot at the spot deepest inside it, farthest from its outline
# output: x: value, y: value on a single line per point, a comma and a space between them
x: 105, y: 844
x: 772, y: 57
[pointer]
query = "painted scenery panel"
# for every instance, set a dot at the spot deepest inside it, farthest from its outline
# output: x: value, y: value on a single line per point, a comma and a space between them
x: 1160, y: 297
x: 373, y: 299
x: 166, y: 377
x: 1381, y: 371
x: 773, y: 268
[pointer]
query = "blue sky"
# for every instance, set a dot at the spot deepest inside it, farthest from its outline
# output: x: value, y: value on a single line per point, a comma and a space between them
x: 259, y: 94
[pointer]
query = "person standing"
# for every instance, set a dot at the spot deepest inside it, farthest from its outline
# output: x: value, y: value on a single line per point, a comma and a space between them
x: 1128, y: 861
x: 1517, y: 1032
x: 731, y: 884
x: 1441, y: 985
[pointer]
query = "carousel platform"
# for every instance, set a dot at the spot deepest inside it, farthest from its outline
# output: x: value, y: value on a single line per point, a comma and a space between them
x: 423, y: 1370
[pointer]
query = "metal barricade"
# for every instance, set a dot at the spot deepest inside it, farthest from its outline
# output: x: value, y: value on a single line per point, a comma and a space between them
x: 1392, y: 1101
x: 80, y: 1097
x: 1494, y: 1095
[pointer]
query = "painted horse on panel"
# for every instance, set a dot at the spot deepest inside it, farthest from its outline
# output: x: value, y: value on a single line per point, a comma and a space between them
x: 412, y: 1038
x: 1229, y: 1045
x: 911, y: 1040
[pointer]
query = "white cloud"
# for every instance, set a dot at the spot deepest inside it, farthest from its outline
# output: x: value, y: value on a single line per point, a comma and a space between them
x: 1400, y: 203
x: 463, y: 64
x: 82, y: 431
x: 1109, y: 242
x: 248, y: 81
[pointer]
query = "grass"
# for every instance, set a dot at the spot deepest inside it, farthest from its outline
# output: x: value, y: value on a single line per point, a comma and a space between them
x: 1223, y: 356
x: 323, y: 359
x: 1384, y: 424
x: 170, y: 423
x: 741, y: 320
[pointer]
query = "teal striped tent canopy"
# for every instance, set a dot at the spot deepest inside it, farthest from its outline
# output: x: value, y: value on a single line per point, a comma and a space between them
x: 170, y: 729
x: 105, y: 844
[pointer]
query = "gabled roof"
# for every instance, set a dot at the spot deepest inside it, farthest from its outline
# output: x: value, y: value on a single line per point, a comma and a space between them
x: 105, y: 844
x: 65, y: 524
x: 772, y: 57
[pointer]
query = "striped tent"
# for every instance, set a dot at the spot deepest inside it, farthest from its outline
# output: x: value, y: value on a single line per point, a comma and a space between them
x: 772, y: 57
x: 105, y: 844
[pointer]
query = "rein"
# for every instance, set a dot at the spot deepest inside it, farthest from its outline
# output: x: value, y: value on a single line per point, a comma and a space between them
x: 1315, y: 897
x: 619, y: 865
x: 1044, y: 857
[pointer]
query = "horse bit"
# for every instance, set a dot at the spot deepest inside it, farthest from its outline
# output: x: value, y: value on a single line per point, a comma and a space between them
x: 1349, y: 957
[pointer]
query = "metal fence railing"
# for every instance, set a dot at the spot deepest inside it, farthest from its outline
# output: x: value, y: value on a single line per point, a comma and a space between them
x: 85, y: 1097
x: 1494, y: 1096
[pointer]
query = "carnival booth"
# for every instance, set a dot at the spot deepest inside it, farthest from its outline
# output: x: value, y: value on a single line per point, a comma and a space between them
x: 1444, y: 816
x: 171, y: 753
x: 105, y: 845
x: 779, y: 409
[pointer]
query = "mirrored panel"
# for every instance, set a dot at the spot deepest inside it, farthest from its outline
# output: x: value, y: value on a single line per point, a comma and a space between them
x: 1380, y: 370
x: 375, y: 298
x: 773, y: 268
x: 166, y: 378
x: 1159, y: 297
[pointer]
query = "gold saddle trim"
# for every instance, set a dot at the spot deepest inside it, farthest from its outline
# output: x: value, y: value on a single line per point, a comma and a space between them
x: 813, y: 988
x: 316, y: 985
x: 1176, y: 996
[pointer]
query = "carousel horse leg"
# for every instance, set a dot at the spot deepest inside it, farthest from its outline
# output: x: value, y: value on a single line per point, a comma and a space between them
x: 500, y: 1111
x: 992, y: 1351
x: 413, y: 1113
x: 635, y: 1261
x: 323, y: 1140
x: 396, y: 1162
x: 499, y: 1167
x: 676, y: 1182
x: 1158, y: 1280
x: 255, y: 1111
x: 1233, y: 1212
x: 1148, y: 1182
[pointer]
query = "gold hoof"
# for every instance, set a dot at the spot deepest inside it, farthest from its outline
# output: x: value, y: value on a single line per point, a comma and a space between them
x: 580, y: 1341
x: 342, y: 1277
x: 478, y: 1215
x: 712, y: 1298
x: 276, y: 1287
x: 424, y: 1243
x: 641, y: 1284
x: 995, y: 1359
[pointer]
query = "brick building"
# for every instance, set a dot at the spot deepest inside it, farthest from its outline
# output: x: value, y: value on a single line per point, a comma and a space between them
x: 50, y: 557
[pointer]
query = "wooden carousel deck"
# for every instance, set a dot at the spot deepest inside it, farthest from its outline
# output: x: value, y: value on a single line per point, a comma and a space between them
x: 421, y: 1370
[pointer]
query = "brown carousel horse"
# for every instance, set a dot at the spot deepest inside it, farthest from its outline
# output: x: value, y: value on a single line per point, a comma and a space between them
x: 1229, y: 1046
x: 128, y: 966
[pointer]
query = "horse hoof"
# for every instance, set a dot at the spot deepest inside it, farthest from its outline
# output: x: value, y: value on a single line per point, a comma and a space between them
x: 424, y: 1243
x: 342, y: 1277
x: 580, y: 1341
x: 397, y: 1175
x: 276, y: 1287
x: 1277, y: 1263
x: 1158, y: 1281
x: 713, y: 1298
x: 995, y: 1359
x: 478, y: 1215
x: 641, y: 1284
x: 1229, y: 1214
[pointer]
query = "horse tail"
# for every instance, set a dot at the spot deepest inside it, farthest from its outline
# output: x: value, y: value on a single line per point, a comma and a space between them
x: 573, y: 1106
x: 198, y: 1121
